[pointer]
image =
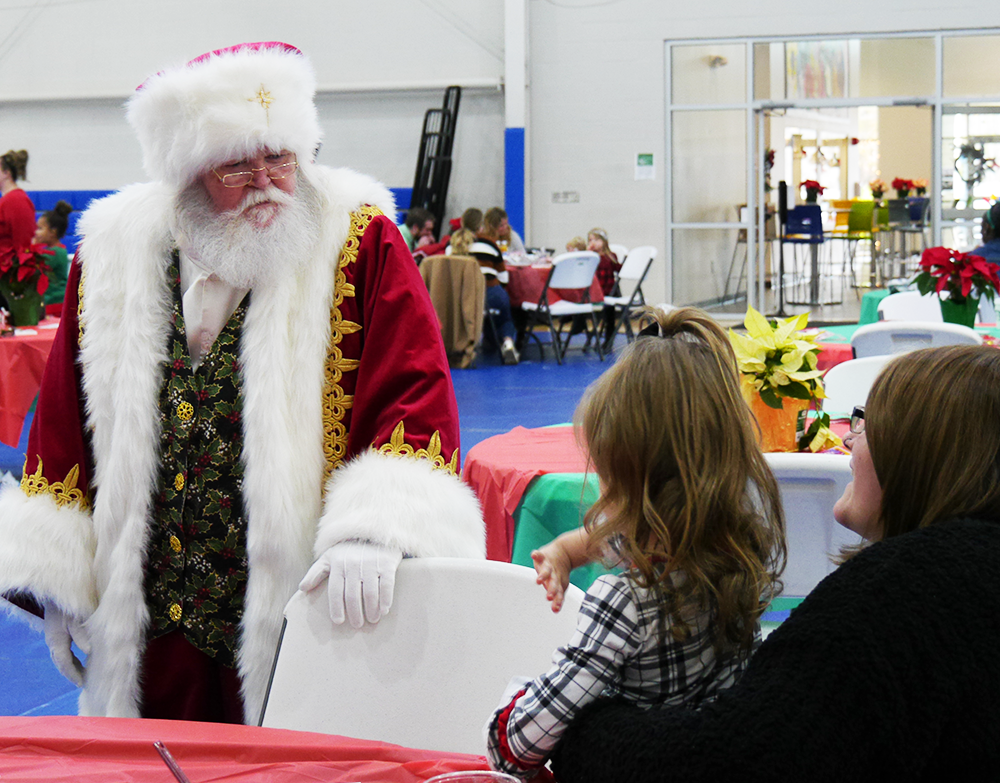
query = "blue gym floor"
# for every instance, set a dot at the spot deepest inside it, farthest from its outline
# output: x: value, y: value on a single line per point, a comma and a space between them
x: 492, y: 399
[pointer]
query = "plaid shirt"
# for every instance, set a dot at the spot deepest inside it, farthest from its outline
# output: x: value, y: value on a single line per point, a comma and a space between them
x: 606, y: 271
x: 618, y: 649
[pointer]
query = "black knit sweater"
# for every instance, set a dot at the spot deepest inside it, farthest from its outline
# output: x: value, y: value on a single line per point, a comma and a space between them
x: 889, y: 671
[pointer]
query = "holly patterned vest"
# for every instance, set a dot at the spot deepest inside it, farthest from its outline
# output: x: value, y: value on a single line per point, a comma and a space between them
x: 196, y: 569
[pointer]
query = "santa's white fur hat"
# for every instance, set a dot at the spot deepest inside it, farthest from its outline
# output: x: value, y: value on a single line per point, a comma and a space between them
x: 225, y: 105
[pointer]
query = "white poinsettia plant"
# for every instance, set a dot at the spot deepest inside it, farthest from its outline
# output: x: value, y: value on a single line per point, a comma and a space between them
x: 777, y: 360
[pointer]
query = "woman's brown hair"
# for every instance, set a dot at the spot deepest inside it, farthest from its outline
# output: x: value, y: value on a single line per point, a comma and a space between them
x: 684, y: 483
x: 931, y: 422
x: 15, y: 162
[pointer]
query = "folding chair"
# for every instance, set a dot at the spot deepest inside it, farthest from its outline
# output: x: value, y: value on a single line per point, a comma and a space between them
x: 848, y: 383
x: 810, y: 484
x: 891, y: 337
x: 429, y: 673
x: 570, y: 271
x: 636, y: 267
x: 910, y: 306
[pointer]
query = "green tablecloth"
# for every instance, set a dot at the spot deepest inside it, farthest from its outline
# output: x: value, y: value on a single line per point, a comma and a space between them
x: 554, y: 504
x: 869, y: 305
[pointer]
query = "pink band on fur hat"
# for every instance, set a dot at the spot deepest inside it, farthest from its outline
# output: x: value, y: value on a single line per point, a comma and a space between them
x: 225, y: 105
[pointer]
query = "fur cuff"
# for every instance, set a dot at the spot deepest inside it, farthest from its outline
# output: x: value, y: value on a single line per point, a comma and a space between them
x: 404, y: 503
x: 47, y: 550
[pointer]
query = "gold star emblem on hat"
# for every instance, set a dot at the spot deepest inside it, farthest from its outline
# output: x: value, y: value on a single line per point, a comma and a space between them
x: 263, y: 97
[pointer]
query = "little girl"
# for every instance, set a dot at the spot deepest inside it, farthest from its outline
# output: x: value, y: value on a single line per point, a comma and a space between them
x: 692, y: 512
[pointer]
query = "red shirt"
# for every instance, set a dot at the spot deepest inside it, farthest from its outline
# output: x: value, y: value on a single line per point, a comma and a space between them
x: 606, y: 271
x: 17, y: 220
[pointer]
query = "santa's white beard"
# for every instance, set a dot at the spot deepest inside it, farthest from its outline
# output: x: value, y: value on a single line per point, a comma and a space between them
x: 251, y: 245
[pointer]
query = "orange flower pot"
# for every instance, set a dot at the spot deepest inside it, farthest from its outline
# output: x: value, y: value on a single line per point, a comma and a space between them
x: 778, y: 427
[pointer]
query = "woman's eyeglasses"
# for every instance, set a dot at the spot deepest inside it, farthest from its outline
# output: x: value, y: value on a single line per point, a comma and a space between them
x: 858, y: 419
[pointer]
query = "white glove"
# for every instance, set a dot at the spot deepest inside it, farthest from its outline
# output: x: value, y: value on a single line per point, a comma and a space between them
x: 60, y: 632
x: 362, y: 579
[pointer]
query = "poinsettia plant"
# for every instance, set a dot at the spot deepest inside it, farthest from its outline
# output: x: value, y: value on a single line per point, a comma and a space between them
x: 920, y: 186
x: 813, y: 188
x: 776, y: 360
x: 25, y: 269
x: 960, y: 274
x: 902, y: 187
x: 878, y: 187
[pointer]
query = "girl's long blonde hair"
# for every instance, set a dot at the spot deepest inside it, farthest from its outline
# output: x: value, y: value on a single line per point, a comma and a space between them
x: 685, y: 486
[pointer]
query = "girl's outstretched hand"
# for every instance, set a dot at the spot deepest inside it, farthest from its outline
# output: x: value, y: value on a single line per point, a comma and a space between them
x: 553, y: 565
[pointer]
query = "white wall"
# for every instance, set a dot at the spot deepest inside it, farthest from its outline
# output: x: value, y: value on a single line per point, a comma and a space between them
x: 66, y: 70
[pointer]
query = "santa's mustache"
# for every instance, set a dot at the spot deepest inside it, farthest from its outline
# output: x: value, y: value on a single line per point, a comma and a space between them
x: 269, y: 194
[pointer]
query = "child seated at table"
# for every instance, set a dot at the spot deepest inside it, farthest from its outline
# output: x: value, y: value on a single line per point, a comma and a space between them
x: 690, y: 509
x: 50, y: 230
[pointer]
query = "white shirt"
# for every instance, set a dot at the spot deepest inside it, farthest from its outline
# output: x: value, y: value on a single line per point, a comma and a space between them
x: 206, y: 302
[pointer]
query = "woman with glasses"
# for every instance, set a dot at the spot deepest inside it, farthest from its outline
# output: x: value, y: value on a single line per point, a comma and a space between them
x: 889, y: 670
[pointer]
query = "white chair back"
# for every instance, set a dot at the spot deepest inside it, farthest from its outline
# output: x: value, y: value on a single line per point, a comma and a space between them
x: 910, y: 306
x: 847, y: 384
x: 574, y: 270
x: 619, y: 250
x: 891, y: 337
x: 810, y: 485
x: 429, y: 674
x: 637, y: 263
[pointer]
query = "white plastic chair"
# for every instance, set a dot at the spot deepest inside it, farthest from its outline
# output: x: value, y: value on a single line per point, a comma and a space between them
x: 891, y: 337
x: 630, y: 278
x: 427, y: 675
x: 810, y: 485
x: 847, y: 384
x: 573, y: 271
x: 910, y: 306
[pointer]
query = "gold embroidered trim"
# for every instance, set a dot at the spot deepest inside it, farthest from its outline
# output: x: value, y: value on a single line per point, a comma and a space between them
x: 335, y: 401
x: 63, y: 492
x: 398, y: 447
x: 79, y: 307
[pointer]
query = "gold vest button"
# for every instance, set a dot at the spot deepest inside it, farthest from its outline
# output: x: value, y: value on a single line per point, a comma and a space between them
x: 175, y: 543
x: 179, y: 482
x: 185, y: 411
x: 175, y: 612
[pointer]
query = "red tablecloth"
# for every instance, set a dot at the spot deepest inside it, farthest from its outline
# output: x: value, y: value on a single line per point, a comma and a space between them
x: 500, y: 468
x: 22, y: 361
x: 526, y: 284
x: 832, y: 354
x: 96, y: 750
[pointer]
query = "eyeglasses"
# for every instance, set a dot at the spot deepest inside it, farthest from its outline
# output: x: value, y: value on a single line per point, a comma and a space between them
x: 239, y: 179
x: 858, y: 419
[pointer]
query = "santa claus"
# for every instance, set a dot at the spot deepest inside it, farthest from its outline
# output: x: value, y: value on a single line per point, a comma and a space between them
x: 247, y: 394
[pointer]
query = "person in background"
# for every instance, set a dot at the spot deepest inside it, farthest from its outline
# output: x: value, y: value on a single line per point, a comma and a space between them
x: 418, y: 228
x: 691, y: 508
x: 472, y: 219
x: 17, y: 213
x: 888, y: 670
x: 607, y: 276
x: 497, y: 229
x: 576, y: 244
x: 51, y: 229
x: 497, y: 301
x: 990, y: 249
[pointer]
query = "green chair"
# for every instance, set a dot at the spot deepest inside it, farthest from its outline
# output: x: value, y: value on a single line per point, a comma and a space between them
x: 859, y: 228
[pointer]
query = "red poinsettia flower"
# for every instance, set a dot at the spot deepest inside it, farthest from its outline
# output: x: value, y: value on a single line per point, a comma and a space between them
x: 947, y: 269
x: 21, y: 267
x: 811, y: 184
x: 902, y: 184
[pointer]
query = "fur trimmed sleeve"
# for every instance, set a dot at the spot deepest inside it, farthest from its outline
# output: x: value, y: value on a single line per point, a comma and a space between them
x: 46, y: 533
x: 404, y: 503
